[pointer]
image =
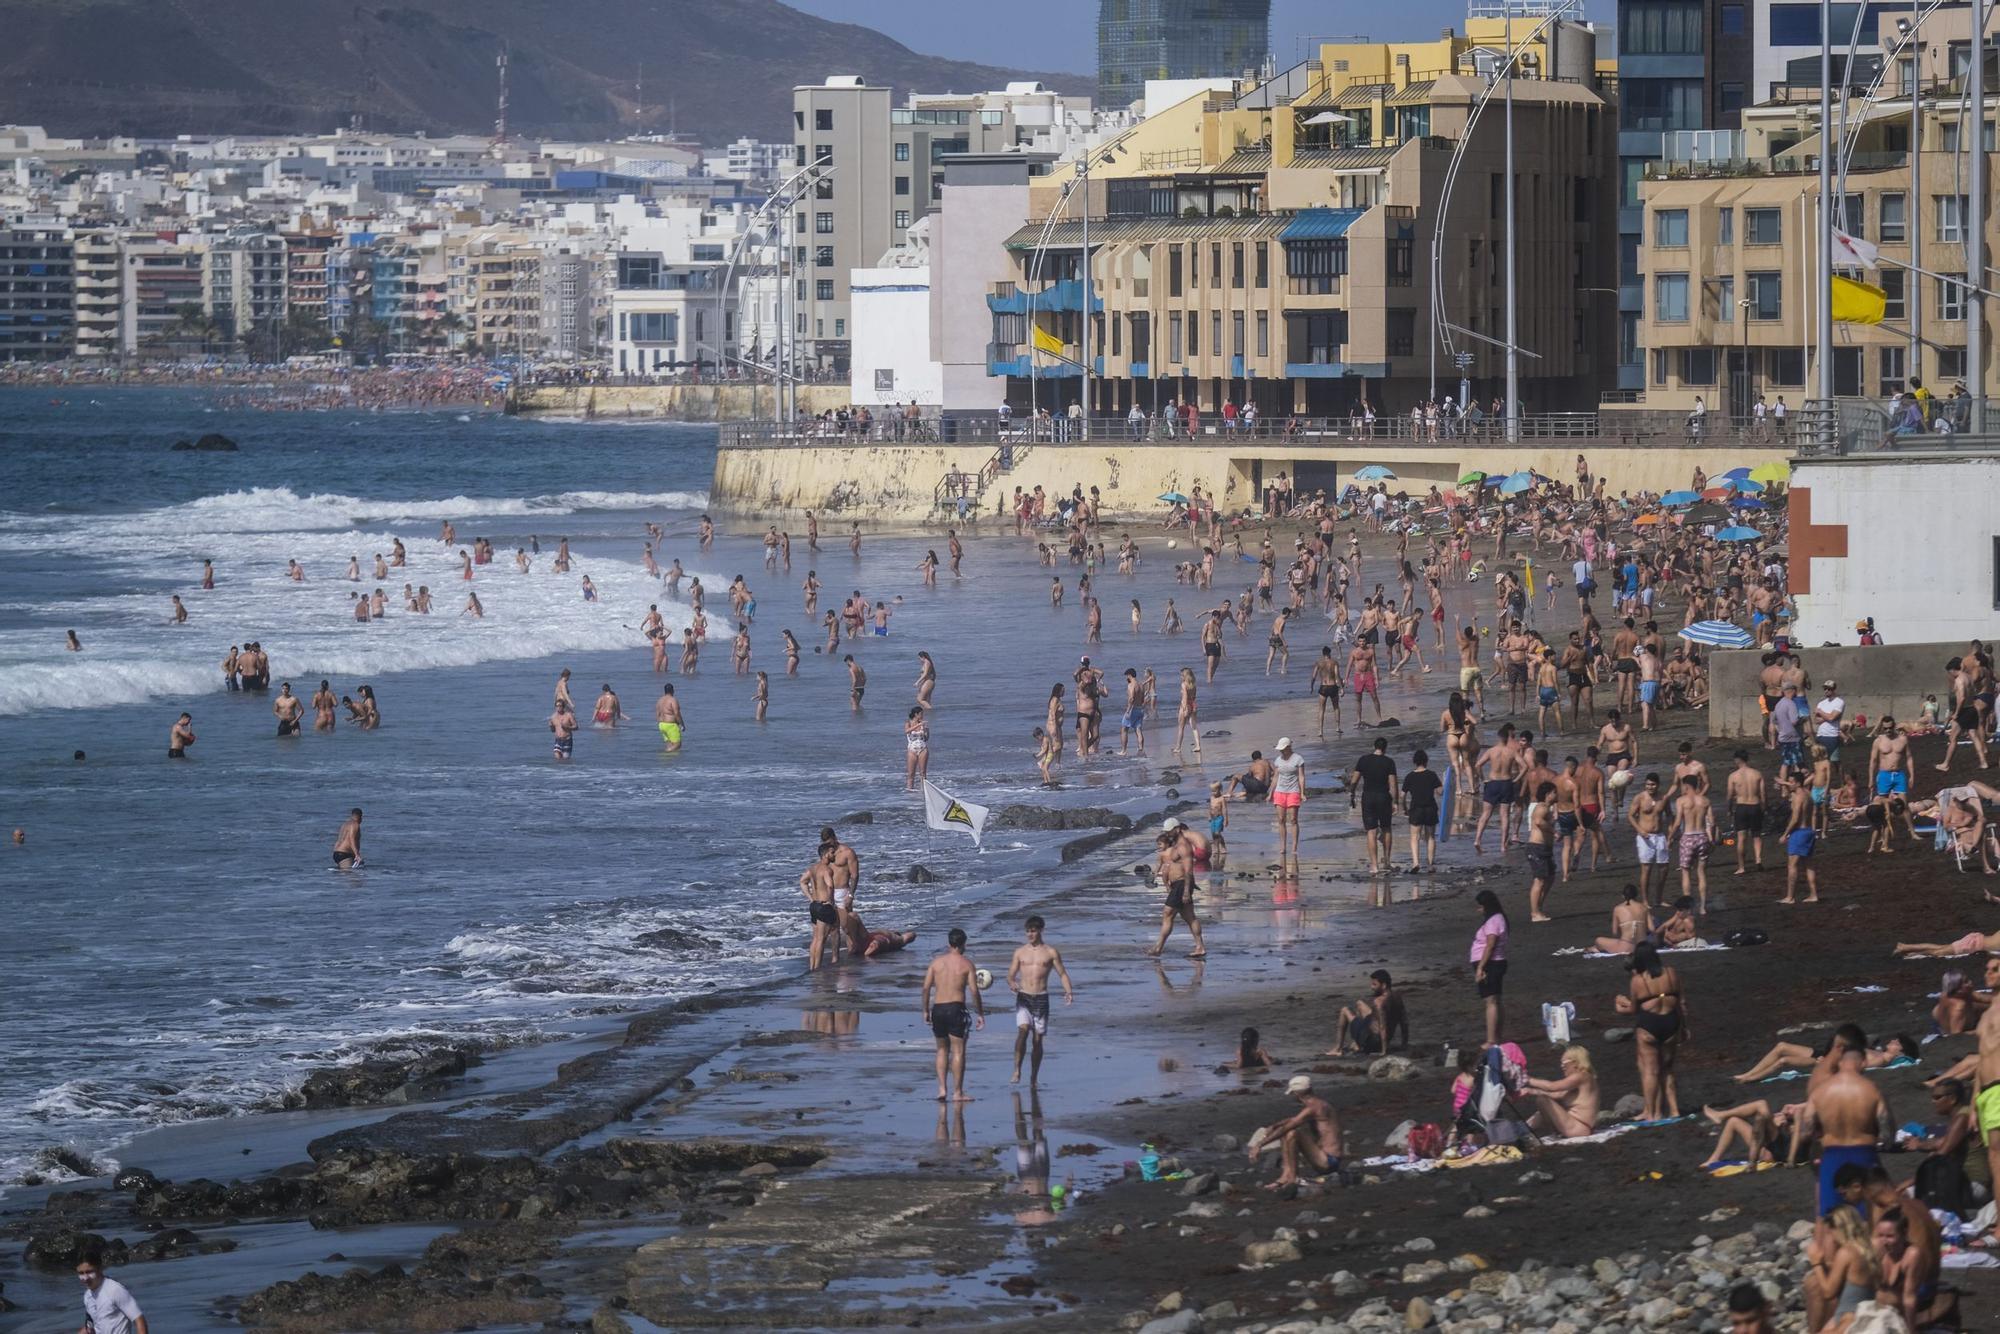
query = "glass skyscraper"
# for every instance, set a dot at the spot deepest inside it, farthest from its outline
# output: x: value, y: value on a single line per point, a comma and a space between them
x: 1139, y: 40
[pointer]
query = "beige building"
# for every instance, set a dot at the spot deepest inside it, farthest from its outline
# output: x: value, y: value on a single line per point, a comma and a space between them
x: 1729, y: 248
x: 1275, y: 246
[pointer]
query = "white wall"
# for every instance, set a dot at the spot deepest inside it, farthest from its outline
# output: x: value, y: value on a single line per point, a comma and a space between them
x: 891, y: 311
x: 1920, y: 549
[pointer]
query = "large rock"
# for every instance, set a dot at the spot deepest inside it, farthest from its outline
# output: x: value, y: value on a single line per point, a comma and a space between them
x: 372, y: 1082
x: 1398, y: 1067
x: 64, y: 1247
x: 1272, y: 1252
x: 212, y: 443
x: 673, y: 938
x: 1051, y: 817
x: 1188, y: 1320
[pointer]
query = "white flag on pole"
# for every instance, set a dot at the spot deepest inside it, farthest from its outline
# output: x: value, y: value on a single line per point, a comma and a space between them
x: 944, y: 811
x: 1851, y: 252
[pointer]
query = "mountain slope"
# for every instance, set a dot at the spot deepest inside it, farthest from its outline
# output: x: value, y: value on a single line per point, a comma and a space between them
x: 94, y: 67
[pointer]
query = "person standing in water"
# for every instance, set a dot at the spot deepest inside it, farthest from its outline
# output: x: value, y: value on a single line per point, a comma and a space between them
x: 948, y: 984
x: 667, y: 712
x: 347, y: 843
x: 1028, y: 975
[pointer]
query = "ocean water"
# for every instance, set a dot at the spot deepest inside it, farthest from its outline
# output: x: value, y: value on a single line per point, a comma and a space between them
x: 174, y: 945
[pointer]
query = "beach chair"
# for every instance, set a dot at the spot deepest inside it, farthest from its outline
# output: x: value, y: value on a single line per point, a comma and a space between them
x: 1500, y: 1076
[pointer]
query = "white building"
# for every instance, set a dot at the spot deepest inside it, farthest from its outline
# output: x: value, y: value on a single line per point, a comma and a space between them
x: 892, y: 361
x: 749, y: 160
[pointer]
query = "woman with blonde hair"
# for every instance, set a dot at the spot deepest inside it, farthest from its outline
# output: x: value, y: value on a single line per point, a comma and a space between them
x: 1187, y: 714
x: 1566, y: 1108
x: 1844, y: 1270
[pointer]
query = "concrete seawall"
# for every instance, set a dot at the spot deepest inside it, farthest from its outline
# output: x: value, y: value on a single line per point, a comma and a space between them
x: 899, y: 482
x: 1889, y: 678
x: 672, y: 402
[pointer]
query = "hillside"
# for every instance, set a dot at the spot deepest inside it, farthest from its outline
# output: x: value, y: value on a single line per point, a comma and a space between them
x: 95, y: 67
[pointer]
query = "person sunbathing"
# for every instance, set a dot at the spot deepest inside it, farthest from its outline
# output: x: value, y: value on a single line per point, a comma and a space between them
x: 1760, y: 1129
x: 1796, y: 1056
x: 1565, y: 1108
x: 1678, y: 929
x: 1973, y: 942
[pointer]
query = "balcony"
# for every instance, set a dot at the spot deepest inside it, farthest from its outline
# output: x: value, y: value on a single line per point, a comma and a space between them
x: 1067, y: 295
x: 1784, y: 164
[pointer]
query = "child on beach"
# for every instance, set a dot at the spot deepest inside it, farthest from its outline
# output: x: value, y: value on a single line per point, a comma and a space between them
x: 1250, y: 1053
x: 1047, y: 751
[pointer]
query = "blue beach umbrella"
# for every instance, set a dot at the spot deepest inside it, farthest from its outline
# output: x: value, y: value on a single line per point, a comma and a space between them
x: 1745, y: 502
x: 1375, y: 472
x: 1743, y: 474
x: 1718, y: 634
x: 1748, y: 487
x: 1689, y: 497
x: 1739, y: 534
x: 1176, y: 498
x: 1521, y: 481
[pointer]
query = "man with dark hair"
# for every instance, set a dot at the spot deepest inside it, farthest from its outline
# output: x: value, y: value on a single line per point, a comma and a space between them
x: 1028, y: 975
x: 347, y: 843
x: 108, y: 1308
x: 1373, y: 783
x: 1749, y: 1312
x: 1853, y: 1117
x: 947, y: 983
x: 1367, y: 1026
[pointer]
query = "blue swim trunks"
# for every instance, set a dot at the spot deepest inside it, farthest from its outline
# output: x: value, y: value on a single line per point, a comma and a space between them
x: 1801, y: 842
x: 1650, y: 690
x: 1831, y: 1160
x: 1894, y: 782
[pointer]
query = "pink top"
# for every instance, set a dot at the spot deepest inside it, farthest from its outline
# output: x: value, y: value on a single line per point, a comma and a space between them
x: 1461, y: 1088
x: 1494, y: 929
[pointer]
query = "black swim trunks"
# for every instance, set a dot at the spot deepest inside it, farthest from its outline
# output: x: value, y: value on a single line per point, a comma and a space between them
x: 176, y: 753
x: 1331, y: 694
x: 1379, y: 812
x: 1542, y: 861
x: 1496, y: 969
x: 1750, y: 819
x: 342, y: 856
x: 952, y: 1021
x: 1257, y: 788
x: 829, y: 915
x: 291, y: 727
x: 1215, y: 650
x: 1180, y: 894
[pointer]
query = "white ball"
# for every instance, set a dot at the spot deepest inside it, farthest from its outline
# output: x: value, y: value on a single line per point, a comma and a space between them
x: 1173, y: 542
x: 1623, y: 777
x: 984, y: 976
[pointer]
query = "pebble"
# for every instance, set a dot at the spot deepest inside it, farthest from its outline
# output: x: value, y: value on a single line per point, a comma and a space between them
x: 1272, y: 1252
x: 1425, y: 1243
x: 1187, y: 1321
x: 1204, y: 1182
x: 1535, y: 1176
x: 1417, y: 1315
x: 1480, y: 1210
x: 1345, y: 1282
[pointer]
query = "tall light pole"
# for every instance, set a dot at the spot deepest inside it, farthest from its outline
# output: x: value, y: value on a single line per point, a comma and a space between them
x: 1823, y: 323
x: 1513, y: 357
x: 1913, y: 213
x: 1975, y: 220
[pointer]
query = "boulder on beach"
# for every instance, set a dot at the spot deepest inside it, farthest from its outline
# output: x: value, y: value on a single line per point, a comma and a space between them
x: 212, y: 443
x: 1052, y: 817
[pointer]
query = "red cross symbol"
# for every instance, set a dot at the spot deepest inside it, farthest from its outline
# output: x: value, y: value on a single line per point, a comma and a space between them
x: 1809, y: 539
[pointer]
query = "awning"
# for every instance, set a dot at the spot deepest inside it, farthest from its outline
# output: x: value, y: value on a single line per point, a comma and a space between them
x: 1321, y: 224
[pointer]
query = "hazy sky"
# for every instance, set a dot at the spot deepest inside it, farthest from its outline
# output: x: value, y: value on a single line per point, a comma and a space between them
x: 1062, y: 34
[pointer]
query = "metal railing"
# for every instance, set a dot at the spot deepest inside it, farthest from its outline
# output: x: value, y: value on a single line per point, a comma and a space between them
x: 1849, y: 426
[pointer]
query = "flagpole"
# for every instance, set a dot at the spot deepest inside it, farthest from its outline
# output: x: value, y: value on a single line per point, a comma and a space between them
x: 1824, y: 323
x: 1975, y: 220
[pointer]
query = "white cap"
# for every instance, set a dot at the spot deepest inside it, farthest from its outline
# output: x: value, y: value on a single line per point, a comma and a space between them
x: 1171, y: 825
x: 1284, y: 743
x: 1299, y: 1084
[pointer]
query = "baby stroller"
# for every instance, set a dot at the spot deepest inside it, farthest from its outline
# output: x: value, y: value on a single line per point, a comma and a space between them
x: 1501, y: 1073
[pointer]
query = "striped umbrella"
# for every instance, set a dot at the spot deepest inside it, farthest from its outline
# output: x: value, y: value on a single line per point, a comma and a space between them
x: 1718, y: 634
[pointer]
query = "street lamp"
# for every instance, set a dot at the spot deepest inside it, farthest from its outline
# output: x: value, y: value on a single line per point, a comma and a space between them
x: 1743, y: 350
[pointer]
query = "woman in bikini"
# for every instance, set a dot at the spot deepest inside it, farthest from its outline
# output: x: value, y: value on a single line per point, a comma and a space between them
x: 1461, y: 738
x: 1798, y: 1056
x: 1566, y: 1108
x: 792, y: 649
x: 1188, y: 718
x: 926, y: 679
x: 1658, y: 1009
x: 917, y: 745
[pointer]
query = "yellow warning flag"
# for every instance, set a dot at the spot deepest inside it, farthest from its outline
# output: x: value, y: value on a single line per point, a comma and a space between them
x: 1858, y: 303
x: 1049, y: 343
x: 1530, y: 565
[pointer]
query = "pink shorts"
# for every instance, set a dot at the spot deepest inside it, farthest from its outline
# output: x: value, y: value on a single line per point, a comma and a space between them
x: 1969, y: 944
x: 1285, y: 798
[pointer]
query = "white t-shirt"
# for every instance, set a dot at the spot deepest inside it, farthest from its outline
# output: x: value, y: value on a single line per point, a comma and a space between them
x: 111, y: 1309
x: 1828, y: 711
x: 1287, y: 770
x: 1582, y: 568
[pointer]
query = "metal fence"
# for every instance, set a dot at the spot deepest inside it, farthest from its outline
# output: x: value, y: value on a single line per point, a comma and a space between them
x: 1847, y: 426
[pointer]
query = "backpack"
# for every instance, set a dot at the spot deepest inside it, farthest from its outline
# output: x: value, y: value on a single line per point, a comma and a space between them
x: 1426, y: 1140
x: 1746, y: 935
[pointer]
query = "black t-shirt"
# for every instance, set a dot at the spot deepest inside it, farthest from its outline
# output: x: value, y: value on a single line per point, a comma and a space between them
x: 1378, y: 777
x: 1421, y: 786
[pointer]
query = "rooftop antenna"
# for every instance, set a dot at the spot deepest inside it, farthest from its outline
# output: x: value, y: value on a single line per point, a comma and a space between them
x: 500, y: 119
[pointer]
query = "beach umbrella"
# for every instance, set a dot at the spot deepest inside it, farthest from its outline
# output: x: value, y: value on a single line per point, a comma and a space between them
x: 1746, y: 502
x: 1716, y: 493
x: 1749, y: 488
x: 1739, y: 534
x: 1648, y: 520
x: 1718, y: 634
x: 1707, y: 512
x: 1689, y: 497
x: 1176, y: 498
x: 1475, y: 477
x: 1777, y: 470
x: 1375, y: 472
x: 1743, y: 474
x: 1521, y: 481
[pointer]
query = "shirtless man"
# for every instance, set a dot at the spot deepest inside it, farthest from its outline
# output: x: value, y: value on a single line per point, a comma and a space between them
x: 667, y: 713
x: 1501, y: 765
x: 562, y: 722
x: 1624, y: 664
x: 1133, y: 723
x: 1028, y: 976
x: 182, y: 735
x: 1889, y: 763
x: 1312, y: 1133
x: 857, y: 682
x: 1852, y: 1115
x: 1175, y: 870
x: 816, y: 883
x: 1745, y: 790
x: 289, y: 710
x: 608, y: 712
x: 1590, y: 805
x: 947, y: 983
x: 1694, y: 823
x: 1471, y: 677
x: 846, y: 875
x: 1986, y: 1099
x: 1514, y: 646
x: 347, y: 843
x: 1541, y: 850
x: 1576, y: 673
x: 323, y: 705
x: 1211, y: 639
x: 1326, y: 680
x: 1648, y: 811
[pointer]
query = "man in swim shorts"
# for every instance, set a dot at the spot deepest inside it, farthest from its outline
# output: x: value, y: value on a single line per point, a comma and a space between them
x: 948, y: 982
x: 1694, y: 822
x: 289, y: 708
x: 1889, y: 760
x: 563, y: 723
x: 1649, y: 815
x: 1849, y: 1109
x: 668, y: 714
x: 181, y: 737
x: 1028, y: 975
x: 347, y: 843
x: 1312, y: 1133
x: 816, y: 883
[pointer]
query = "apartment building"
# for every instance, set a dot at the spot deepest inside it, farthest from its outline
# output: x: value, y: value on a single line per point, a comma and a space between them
x: 1730, y: 244
x: 163, y: 280
x: 37, y: 291
x: 99, y: 292
x: 244, y: 278
x: 1141, y: 40
x: 1278, y: 247
x: 883, y: 169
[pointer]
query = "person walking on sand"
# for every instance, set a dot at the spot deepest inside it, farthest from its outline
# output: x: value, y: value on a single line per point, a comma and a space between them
x: 1288, y: 794
x: 948, y: 982
x: 1175, y: 870
x: 1694, y: 822
x: 108, y: 1306
x: 1326, y: 680
x: 1188, y: 721
x: 1489, y: 959
x: 1028, y: 976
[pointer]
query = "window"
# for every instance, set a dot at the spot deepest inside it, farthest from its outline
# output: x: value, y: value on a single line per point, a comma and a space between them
x: 639, y: 271
x: 1659, y: 365
x: 823, y: 119
x: 1215, y: 333
x: 840, y: 328
x: 1314, y: 338
x: 1697, y: 365
x: 1263, y: 333
x: 1890, y: 364
x: 1174, y: 277
x: 1316, y: 267
x: 902, y: 185
x: 1893, y: 216
x: 1263, y: 264
x: 1236, y: 266
x: 937, y: 187
x: 1766, y: 295
x: 1660, y: 27
x: 1660, y: 104
x: 1732, y: 20
x: 1951, y: 296
x: 1117, y: 329
x: 1142, y: 337
x: 823, y: 189
x: 1236, y: 333
x: 1628, y: 258
x: 823, y: 257
x: 824, y: 153
x: 1725, y: 226
x: 1725, y: 300
x: 823, y: 289
x: 1402, y: 332
x: 1950, y: 363
x: 1670, y: 297
x: 902, y: 152
x: 1763, y: 226
x: 1193, y: 335
x: 1894, y: 306
x: 1628, y: 338
x: 823, y: 223
x: 1855, y: 215
x: 1215, y: 264
x: 1670, y: 227
x: 655, y: 326
x: 1402, y: 261
x: 902, y: 217
x: 1787, y: 366
x: 1635, y: 171
x: 1950, y: 217
x: 799, y: 290
x: 1729, y: 97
